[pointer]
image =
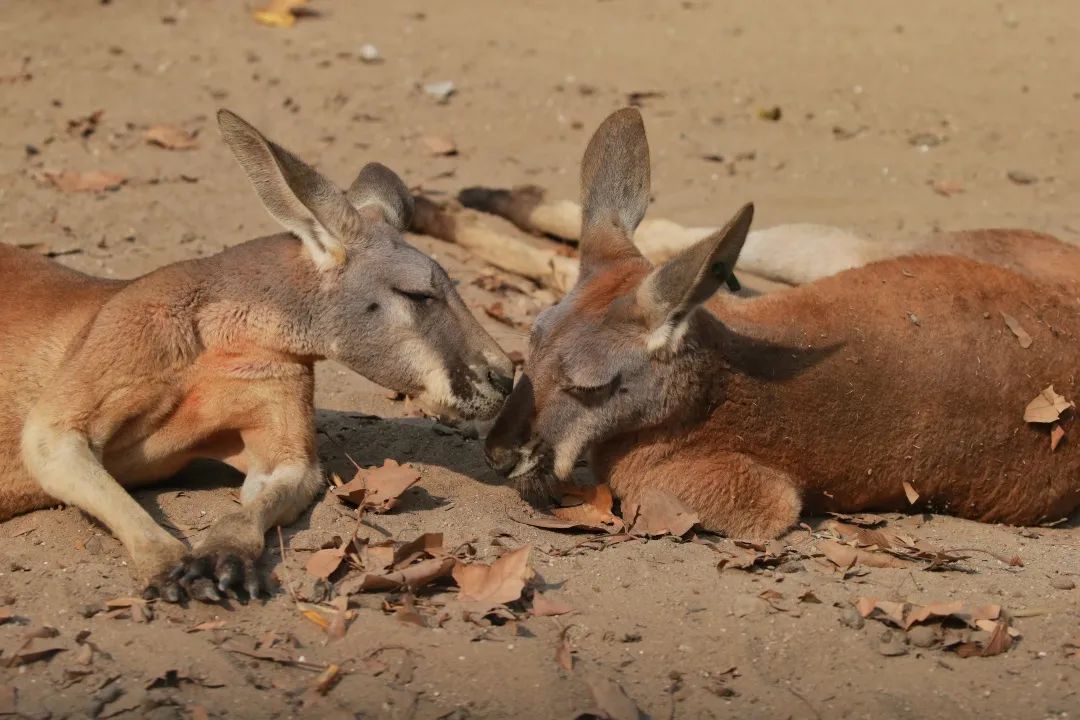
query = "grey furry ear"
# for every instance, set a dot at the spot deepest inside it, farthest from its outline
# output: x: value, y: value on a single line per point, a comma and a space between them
x: 674, y: 290
x: 380, y: 186
x: 308, y: 205
x: 614, y: 188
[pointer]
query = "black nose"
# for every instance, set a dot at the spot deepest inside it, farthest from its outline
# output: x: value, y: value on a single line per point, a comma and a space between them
x: 502, y: 460
x: 503, y: 383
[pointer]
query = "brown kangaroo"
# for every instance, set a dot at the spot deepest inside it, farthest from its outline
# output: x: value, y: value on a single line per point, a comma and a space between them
x: 825, y: 397
x: 110, y: 384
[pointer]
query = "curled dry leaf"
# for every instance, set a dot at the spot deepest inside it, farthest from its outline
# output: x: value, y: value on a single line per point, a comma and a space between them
x: 495, y: 584
x: 438, y: 145
x: 544, y: 606
x: 379, y: 489
x: 91, y: 181
x: 660, y: 513
x: 911, y: 492
x: 170, y: 137
x: 1057, y: 434
x: 564, y: 654
x: 1047, y: 407
x: 279, y: 13
x: 611, y: 702
x: 588, y: 507
x: 410, y: 565
x: 1017, y: 330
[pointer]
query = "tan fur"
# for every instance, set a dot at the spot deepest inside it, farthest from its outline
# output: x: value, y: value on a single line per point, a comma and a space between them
x: 106, y: 385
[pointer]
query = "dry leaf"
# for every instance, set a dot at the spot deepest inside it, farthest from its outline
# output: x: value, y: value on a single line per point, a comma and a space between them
x: 543, y: 606
x: 209, y: 625
x: 90, y: 181
x: 498, y: 583
x: 611, y: 701
x: 1057, y: 434
x: 326, y: 679
x: 564, y: 656
x: 842, y: 556
x: 323, y: 563
x: 339, y: 624
x: 909, y: 490
x: 437, y: 145
x: 378, y: 489
x: 660, y: 513
x: 947, y: 188
x: 279, y: 13
x: 170, y: 137
x: 588, y: 507
x: 199, y: 712
x: 413, y: 577
x: 1047, y: 407
x: 1017, y: 330
x: 34, y: 649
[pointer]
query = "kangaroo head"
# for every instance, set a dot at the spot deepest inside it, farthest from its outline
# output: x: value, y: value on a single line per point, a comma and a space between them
x: 619, y: 352
x: 376, y: 304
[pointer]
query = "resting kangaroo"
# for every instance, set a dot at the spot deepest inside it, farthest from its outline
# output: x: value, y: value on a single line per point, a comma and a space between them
x: 106, y: 384
x: 825, y: 397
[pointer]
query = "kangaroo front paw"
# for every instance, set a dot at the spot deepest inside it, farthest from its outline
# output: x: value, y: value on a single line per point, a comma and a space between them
x: 211, y: 576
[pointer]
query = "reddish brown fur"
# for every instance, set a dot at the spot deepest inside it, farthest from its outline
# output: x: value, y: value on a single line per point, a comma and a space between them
x: 833, y: 392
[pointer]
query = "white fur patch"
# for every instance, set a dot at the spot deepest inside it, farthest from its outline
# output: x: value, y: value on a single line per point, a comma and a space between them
x: 667, y: 337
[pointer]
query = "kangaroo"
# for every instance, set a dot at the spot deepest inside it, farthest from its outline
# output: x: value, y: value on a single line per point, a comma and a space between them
x: 109, y: 384
x: 825, y: 397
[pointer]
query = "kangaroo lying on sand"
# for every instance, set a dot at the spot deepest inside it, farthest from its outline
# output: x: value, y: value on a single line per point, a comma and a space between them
x: 825, y: 397
x: 106, y: 384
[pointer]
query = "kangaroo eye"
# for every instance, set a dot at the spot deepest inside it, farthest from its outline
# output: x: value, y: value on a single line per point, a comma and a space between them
x: 417, y: 296
x: 591, y: 393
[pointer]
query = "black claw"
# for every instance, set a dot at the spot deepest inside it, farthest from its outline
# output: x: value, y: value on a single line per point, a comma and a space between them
x: 171, y: 593
x: 203, y: 589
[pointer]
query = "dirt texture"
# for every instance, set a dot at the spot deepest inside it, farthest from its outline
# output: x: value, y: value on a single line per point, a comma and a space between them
x: 890, y: 122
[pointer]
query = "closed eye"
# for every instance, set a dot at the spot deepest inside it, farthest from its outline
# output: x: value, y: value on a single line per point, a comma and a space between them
x: 591, y: 393
x: 420, y: 297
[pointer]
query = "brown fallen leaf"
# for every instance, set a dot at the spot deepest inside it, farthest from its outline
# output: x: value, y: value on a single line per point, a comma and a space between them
x: 199, y: 712
x: 808, y: 596
x: 611, y: 702
x: 438, y: 145
x: 6, y: 616
x: 657, y: 513
x: 495, y: 584
x: 323, y: 563
x: 427, y: 545
x: 947, y: 188
x: 378, y: 489
x: 91, y: 181
x: 412, y: 577
x: 564, y: 654
x: 279, y: 13
x: 339, y: 623
x: 866, y: 520
x: 544, y: 606
x: 589, y: 507
x: 1057, y: 434
x: 207, y: 626
x: 842, y: 556
x: 170, y: 137
x: 1047, y: 407
x: 34, y: 649
x: 910, y: 491
x: 325, y: 680
x: 1017, y: 330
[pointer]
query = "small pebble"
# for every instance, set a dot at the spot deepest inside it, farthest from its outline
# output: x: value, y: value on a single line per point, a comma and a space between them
x: 370, y: 54
x: 792, y: 566
x: 1021, y: 178
x: 922, y: 636
x: 1061, y: 583
x: 852, y: 618
x: 441, y: 91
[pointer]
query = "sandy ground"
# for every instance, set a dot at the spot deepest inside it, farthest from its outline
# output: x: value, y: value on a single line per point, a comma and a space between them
x: 876, y: 107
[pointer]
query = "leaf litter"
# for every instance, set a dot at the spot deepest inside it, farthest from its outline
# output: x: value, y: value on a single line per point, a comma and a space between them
x: 377, y: 489
x: 981, y: 631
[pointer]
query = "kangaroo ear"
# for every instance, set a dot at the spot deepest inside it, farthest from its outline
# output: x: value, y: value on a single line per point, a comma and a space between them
x: 614, y: 188
x: 379, y: 186
x: 674, y: 290
x: 308, y: 205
